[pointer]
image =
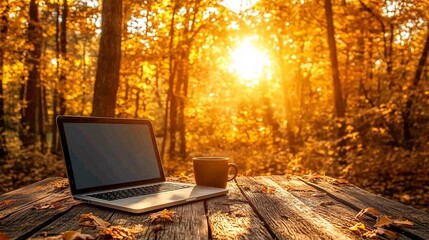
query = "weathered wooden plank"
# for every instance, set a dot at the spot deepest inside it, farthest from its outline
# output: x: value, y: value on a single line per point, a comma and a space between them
x: 15, y: 200
x: 70, y: 221
x: 36, y: 214
x: 231, y: 217
x: 359, y: 199
x: 190, y: 222
x: 286, y: 215
x: 335, y: 212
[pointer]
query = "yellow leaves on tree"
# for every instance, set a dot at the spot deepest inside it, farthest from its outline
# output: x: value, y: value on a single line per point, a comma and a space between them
x: 164, y: 215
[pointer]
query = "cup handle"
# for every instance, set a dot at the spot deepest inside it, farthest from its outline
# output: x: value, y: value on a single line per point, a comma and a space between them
x: 233, y: 165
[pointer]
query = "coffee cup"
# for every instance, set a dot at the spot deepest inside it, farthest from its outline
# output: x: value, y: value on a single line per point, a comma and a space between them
x: 213, y: 171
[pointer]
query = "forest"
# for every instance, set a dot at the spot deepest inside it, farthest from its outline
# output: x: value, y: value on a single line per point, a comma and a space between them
x: 326, y: 87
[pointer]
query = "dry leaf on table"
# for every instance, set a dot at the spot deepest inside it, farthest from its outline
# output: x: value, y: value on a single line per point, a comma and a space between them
x: 90, y: 220
x: 383, y: 221
x: 61, y: 184
x: 314, y: 178
x: 117, y: 232
x: 52, y: 205
x: 339, y: 182
x: 265, y: 189
x: 161, y: 216
x: 400, y: 222
x: 76, y: 235
x: 372, y: 211
x: 387, y: 233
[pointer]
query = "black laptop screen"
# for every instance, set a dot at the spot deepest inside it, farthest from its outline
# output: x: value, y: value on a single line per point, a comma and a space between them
x: 109, y: 154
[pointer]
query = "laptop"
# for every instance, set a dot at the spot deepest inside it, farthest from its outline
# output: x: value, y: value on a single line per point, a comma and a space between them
x: 115, y: 163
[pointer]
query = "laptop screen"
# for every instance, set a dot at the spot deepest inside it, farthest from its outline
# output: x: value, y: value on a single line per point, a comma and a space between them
x: 107, y: 154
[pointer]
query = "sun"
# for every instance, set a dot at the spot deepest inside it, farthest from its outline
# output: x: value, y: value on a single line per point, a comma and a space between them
x: 249, y: 63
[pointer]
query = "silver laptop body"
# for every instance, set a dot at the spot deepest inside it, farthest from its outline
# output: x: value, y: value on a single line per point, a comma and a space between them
x: 115, y: 163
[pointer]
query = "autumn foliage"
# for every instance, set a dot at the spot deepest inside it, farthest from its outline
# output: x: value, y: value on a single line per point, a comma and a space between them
x: 249, y: 81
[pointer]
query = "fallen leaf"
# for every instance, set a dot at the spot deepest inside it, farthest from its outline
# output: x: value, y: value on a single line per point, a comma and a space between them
x: 3, y: 236
x: 52, y: 205
x: 76, y: 235
x: 266, y: 189
x: 158, y: 228
x: 161, y: 215
x: 400, y: 222
x: 339, y: 182
x: 314, y: 178
x: 383, y: 221
x: 372, y: 211
x: 90, y: 220
x: 7, y: 202
x: 358, y: 227
x: 117, y: 232
x: 371, y: 234
x: 62, y: 184
x: 387, y: 233
x: 327, y: 203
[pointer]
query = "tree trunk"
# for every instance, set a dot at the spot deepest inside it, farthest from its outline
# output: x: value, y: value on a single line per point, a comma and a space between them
x: 29, y: 118
x: 109, y: 60
x: 55, y: 98
x: 340, y: 106
x: 172, y: 68
x: 3, y: 33
x: 408, y: 138
x: 63, y: 51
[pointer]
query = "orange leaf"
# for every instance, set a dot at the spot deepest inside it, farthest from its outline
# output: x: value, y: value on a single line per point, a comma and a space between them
x: 387, y: 233
x: 76, y: 235
x: 370, y: 234
x: 265, y: 189
x: 370, y: 210
x: 162, y: 215
x: 383, y: 221
x: 400, y: 222
x: 357, y: 227
x: 117, y: 232
x: 339, y: 182
x: 90, y: 220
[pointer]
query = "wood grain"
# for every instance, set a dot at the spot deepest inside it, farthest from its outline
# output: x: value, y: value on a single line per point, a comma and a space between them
x: 28, y: 217
x: 358, y: 199
x: 231, y: 217
x: 286, y: 215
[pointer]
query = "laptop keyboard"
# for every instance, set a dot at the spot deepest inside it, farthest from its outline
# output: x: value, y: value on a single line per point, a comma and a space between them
x: 139, y: 191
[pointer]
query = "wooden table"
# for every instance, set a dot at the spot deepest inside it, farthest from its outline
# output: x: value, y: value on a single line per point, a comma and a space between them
x: 269, y: 207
